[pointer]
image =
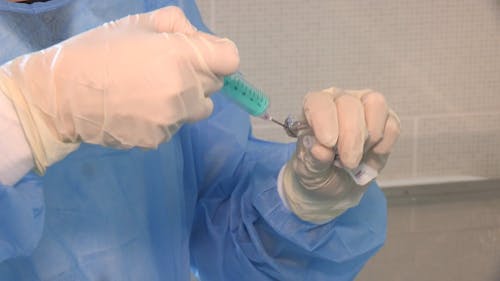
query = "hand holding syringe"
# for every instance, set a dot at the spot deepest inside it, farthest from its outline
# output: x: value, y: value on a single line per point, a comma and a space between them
x: 256, y: 103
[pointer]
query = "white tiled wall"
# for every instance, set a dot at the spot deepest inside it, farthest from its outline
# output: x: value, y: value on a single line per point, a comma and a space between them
x: 437, y: 62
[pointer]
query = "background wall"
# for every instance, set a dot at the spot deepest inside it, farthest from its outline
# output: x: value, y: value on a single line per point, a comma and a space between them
x: 437, y: 62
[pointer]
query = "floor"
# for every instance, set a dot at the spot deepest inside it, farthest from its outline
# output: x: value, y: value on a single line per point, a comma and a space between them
x: 445, y: 232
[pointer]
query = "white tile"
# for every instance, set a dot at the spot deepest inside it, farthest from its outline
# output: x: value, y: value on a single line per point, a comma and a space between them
x: 459, y: 145
x: 427, y: 58
x: 207, y: 11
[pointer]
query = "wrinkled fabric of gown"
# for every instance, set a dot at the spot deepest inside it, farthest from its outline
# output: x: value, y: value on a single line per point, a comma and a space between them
x: 204, y: 201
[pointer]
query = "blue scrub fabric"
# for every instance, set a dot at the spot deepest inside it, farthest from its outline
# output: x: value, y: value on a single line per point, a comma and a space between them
x: 204, y: 201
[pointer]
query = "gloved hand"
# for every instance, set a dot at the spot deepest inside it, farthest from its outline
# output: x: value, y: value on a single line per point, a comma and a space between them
x: 127, y: 83
x: 360, y: 127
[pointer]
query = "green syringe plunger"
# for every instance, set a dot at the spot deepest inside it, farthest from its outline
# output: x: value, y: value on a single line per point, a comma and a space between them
x: 249, y: 98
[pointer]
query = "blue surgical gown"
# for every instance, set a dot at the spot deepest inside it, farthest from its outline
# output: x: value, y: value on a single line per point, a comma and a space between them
x: 204, y: 201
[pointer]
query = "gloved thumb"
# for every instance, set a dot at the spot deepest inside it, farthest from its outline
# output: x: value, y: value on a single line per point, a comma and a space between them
x: 311, y: 169
x: 220, y: 54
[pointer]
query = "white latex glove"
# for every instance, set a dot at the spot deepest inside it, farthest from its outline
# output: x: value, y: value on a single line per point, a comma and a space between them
x: 131, y: 82
x: 360, y: 127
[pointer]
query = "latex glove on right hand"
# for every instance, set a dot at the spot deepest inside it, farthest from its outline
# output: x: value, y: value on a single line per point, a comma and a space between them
x: 360, y: 127
x: 128, y: 83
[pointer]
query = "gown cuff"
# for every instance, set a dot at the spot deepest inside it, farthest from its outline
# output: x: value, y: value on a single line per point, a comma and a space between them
x: 16, y: 158
x: 280, y: 188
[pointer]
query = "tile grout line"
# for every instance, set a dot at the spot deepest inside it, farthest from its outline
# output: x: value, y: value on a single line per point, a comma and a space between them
x: 465, y: 114
x: 415, y: 147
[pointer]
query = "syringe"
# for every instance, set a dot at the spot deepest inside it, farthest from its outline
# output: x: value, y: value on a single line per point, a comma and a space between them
x: 248, y: 97
x: 256, y: 103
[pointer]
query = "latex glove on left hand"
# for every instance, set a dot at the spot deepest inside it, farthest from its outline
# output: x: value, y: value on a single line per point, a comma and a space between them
x: 128, y: 83
x: 360, y: 127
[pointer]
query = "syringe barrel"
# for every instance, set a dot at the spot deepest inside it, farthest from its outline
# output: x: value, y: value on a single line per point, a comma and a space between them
x: 241, y: 92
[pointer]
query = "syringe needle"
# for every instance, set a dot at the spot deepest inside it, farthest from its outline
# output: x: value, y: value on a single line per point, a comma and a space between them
x: 267, y: 116
x: 277, y: 122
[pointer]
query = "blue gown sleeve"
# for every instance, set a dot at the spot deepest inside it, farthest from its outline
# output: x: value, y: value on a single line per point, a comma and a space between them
x: 242, y: 231
x: 21, y: 217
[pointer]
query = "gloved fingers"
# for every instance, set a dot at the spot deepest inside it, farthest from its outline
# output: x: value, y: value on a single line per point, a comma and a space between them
x: 312, y: 170
x: 392, y: 130
x: 377, y: 157
x: 153, y: 132
x: 323, y: 153
x: 376, y: 114
x: 321, y: 114
x: 201, y: 110
x: 194, y: 101
x: 221, y: 54
x: 210, y: 57
x: 169, y: 19
x: 194, y: 104
x: 352, y: 130
x: 210, y: 84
